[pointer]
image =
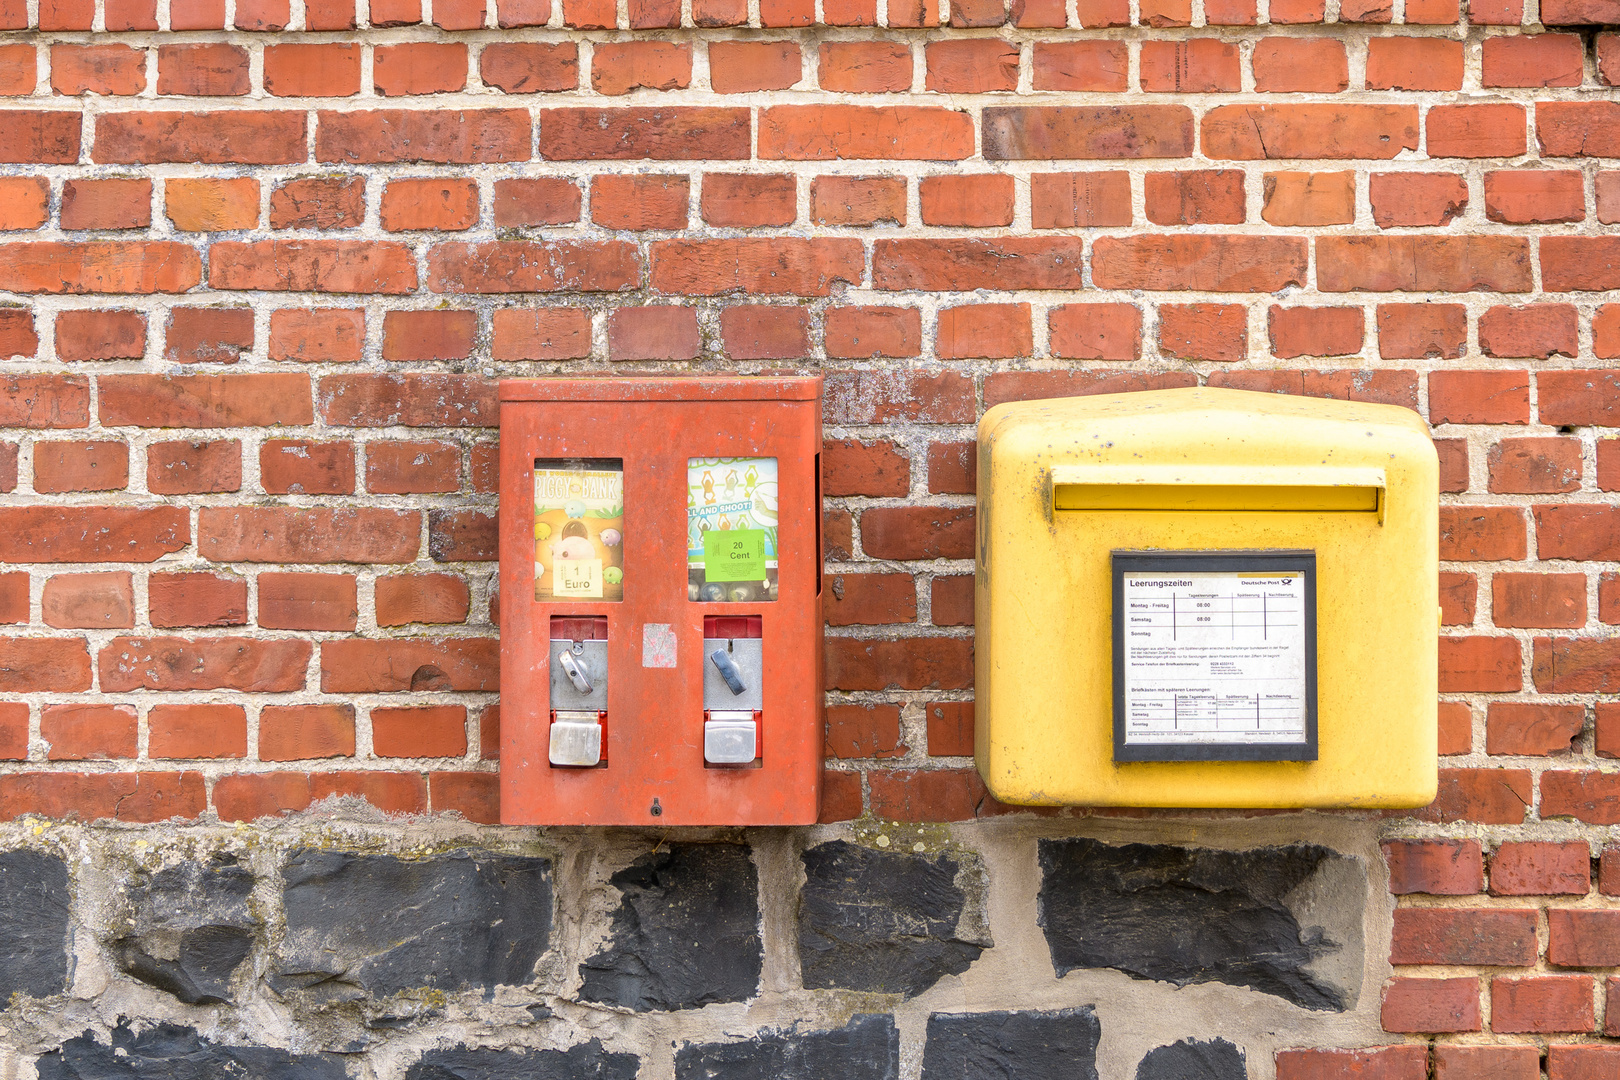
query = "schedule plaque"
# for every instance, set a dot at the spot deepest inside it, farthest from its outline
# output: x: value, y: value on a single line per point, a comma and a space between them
x: 1214, y: 655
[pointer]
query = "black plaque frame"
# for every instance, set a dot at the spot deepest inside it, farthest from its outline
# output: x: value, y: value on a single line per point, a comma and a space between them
x: 1234, y: 561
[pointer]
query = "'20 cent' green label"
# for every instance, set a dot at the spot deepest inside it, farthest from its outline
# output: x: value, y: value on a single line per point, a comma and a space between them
x: 734, y: 555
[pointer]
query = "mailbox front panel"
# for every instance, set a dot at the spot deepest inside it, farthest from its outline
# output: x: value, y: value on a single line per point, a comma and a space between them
x: 1064, y: 485
x: 678, y: 744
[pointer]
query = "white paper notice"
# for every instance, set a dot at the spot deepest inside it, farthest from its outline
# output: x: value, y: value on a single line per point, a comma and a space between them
x: 1214, y: 658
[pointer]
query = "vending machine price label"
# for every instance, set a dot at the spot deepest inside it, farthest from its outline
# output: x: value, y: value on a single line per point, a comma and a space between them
x: 1214, y: 656
x: 734, y: 555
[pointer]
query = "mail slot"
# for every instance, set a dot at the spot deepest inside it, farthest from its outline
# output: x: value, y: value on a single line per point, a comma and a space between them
x: 1208, y: 598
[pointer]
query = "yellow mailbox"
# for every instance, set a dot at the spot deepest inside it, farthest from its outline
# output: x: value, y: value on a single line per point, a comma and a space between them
x: 1207, y: 598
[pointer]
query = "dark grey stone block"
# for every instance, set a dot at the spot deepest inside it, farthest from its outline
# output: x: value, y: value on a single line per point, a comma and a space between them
x: 867, y: 1048
x: 880, y: 921
x: 1190, y: 915
x: 34, y: 910
x: 172, y: 1052
x: 685, y: 934
x: 1059, y: 1045
x: 377, y: 924
x: 1190, y: 1059
x: 587, y: 1061
x: 190, y: 929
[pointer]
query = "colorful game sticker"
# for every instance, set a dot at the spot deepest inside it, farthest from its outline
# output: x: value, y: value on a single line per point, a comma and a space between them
x: 579, y: 530
x: 731, y: 522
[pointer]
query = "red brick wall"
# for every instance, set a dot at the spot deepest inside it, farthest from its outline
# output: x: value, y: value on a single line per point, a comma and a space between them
x: 259, y: 278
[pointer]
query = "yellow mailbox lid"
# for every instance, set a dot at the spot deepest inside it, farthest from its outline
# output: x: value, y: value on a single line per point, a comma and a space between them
x: 1090, y: 503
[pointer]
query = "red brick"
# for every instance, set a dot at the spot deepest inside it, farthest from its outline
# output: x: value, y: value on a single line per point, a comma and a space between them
x: 1030, y: 385
x: 541, y: 201
x: 654, y: 332
x: 313, y: 535
x: 405, y: 468
x: 1565, y: 1062
x: 323, y: 202
x: 1542, y: 1003
x: 1578, y: 398
x: 1192, y: 66
x: 265, y: 15
x: 1574, y: 665
x: 1372, y: 1063
x: 100, y: 335
x: 1085, y: 66
x: 462, y: 536
x: 530, y: 67
x: 618, y: 68
x: 1308, y: 199
x: 1476, y: 131
x: 300, y: 732
x: 1479, y: 397
x: 749, y: 201
x: 1580, y: 263
x: 971, y: 65
x: 1230, y: 12
x: 459, y: 14
x: 203, y: 401
x: 1532, y: 60
x: 1577, y: 531
x: 787, y: 266
x: 103, y: 601
x: 429, y: 335
x: 440, y: 204
x: 632, y: 133
x: 843, y: 132
x: 304, y: 467
x: 640, y: 202
x: 1402, y: 63
x: 950, y: 728
x: 1535, y: 467
x: 301, y: 601
x: 1534, y: 196
x: 870, y: 599
x: 1592, y: 797
x: 476, y: 796
x: 1422, y: 331
x: 80, y: 466
x: 927, y: 795
x: 339, y: 266
x: 1538, y: 331
x: 435, y: 731
x: 327, y: 15
x: 864, y: 67
x: 1079, y: 200
x: 864, y: 468
x: 513, y: 266
x: 449, y: 136
x: 14, y: 731
x: 1533, y: 729
x: 1431, y: 1005
x: 47, y: 534
x: 918, y: 532
x: 106, y: 204
x: 196, y: 14
x: 1609, y: 599
x: 863, y: 731
x: 88, y: 732
x: 215, y: 663
x: 317, y: 335
x: 196, y: 599
x: 786, y: 12
x: 834, y: 13
x: 236, y: 137
x: 255, y: 795
x: 1082, y: 133
x: 854, y: 332
x: 1481, y: 533
x: 996, y: 331
x: 392, y: 793
x: 742, y: 67
x: 1298, y: 332
x: 972, y: 201
x: 414, y: 400
x: 421, y: 67
x: 765, y: 332
x: 208, y: 335
x: 1485, y: 1062
x: 203, y: 70
x: 1401, y: 199
x: 351, y: 666
x: 1541, y: 869
x: 857, y: 200
x: 1289, y: 65
x: 196, y: 731
x: 212, y: 205
x: 403, y: 599
x: 97, y: 69
x: 951, y: 601
x: 1199, y: 197
x: 541, y: 334
x: 1262, y: 132
x: 1423, y: 263
x: 14, y: 597
x: 1204, y: 332
x: 1096, y: 331
x: 44, y: 665
x: 869, y: 397
x: 1202, y: 263
x: 1606, y: 733
x: 1440, y: 868
x: 911, y: 663
x: 18, y: 337
x: 967, y: 264
x: 1583, y: 939
x: 1453, y: 454
x: 1486, y: 796
x: 1495, y: 12
x: 139, y: 797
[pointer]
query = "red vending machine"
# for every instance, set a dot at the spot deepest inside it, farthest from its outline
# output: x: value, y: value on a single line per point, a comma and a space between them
x: 661, y: 658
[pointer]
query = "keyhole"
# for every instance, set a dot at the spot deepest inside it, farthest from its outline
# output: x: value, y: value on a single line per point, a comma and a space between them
x: 657, y: 811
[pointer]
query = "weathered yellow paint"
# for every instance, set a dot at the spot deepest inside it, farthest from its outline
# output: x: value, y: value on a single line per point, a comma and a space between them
x: 1062, y: 483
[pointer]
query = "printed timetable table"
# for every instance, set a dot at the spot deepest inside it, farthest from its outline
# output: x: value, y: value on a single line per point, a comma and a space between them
x: 1215, y: 658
